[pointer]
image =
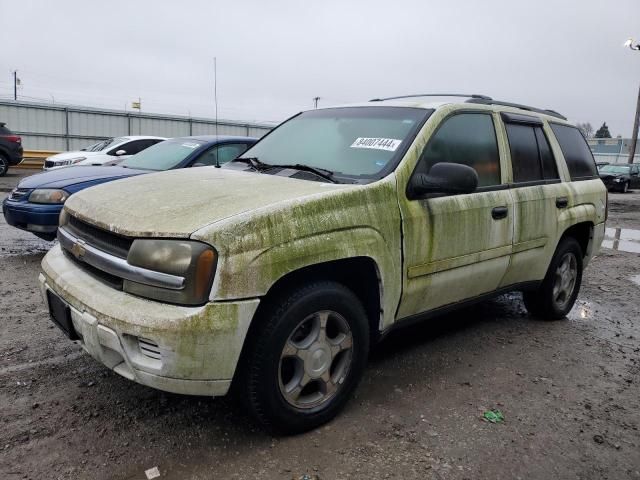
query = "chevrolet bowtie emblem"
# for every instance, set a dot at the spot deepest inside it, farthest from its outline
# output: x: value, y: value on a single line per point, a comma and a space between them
x: 78, y: 249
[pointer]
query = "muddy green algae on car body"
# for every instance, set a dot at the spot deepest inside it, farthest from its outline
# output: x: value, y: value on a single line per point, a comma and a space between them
x: 264, y: 227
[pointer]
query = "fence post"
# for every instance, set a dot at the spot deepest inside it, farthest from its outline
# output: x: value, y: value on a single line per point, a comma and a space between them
x: 128, y: 124
x: 66, y: 127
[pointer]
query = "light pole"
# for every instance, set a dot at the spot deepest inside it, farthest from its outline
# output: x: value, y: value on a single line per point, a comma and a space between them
x: 634, y: 136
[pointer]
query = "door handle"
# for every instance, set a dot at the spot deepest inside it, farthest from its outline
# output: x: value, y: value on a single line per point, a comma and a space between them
x: 562, y: 202
x: 499, y: 212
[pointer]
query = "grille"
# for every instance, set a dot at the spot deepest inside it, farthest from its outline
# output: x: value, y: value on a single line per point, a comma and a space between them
x: 49, y: 163
x: 20, y: 193
x: 149, y: 348
x: 97, y: 237
x: 111, y: 280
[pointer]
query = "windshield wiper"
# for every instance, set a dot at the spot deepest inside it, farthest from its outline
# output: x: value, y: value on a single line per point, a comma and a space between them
x: 321, y: 172
x: 253, y: 162
x: 260, y: 166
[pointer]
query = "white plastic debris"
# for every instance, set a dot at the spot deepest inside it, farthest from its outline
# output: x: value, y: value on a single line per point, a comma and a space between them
x: 152, y: 473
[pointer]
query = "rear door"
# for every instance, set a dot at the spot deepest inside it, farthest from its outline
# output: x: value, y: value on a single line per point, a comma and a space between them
x: 538, y: 196
x: 457, y: 247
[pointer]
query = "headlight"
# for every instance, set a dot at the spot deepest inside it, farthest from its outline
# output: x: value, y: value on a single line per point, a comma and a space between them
x: 48, y: 195
x: 618, y: 179
x: 194, y: 261
x: 63, y: 219
x: 70, y: 161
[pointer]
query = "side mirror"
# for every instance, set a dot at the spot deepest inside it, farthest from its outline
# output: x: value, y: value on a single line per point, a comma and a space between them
x: 121, y: 152
x: 447, y: 178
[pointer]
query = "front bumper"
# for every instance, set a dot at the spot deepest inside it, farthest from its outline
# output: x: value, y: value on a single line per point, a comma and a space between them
x: 613, y: 185
x: 189, y: 350
x: 33, y: 217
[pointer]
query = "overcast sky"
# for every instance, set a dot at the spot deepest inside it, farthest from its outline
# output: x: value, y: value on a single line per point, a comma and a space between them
x: 274, y: 56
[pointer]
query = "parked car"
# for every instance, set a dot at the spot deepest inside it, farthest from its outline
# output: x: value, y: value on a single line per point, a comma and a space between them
x: 10, y: 149
x: 35, y: 204
x: 279, y: 271
x: 620, y: 177
x: 601, y: 164
x: 110, y: 150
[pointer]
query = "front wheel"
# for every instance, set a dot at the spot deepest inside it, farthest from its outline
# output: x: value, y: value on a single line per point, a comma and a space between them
x: 306, y: 357
x: 560, y: 287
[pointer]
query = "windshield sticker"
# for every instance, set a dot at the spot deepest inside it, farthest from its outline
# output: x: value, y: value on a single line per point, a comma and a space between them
x: 191, y: 145
x: 389, y: 144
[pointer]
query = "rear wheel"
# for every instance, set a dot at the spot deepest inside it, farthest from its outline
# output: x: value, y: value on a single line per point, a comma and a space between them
x: 560, y: 287
x: 4, y: 165
x: 306, y: 358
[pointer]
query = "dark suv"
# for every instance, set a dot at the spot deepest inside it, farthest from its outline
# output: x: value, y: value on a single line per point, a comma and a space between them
x: 10, y: 149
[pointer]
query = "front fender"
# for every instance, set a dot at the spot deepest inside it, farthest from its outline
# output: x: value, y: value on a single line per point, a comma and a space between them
x: 252, y: 274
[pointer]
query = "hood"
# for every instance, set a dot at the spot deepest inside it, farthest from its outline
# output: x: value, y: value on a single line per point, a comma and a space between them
x: 179, y: 202
x: 69, y: 155
x: 64, y: 177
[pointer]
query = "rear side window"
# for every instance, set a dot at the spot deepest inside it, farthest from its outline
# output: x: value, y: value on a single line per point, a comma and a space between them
x: 531, y: 156
x: 469, y: 139
x: 576, y: 152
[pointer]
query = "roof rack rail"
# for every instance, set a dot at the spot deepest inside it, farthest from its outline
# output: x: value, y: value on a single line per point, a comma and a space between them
x: 489, y: 101
x: 473, y: 95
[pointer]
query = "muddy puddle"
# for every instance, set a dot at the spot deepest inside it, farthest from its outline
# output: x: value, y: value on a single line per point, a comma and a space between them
x: 623, y: 239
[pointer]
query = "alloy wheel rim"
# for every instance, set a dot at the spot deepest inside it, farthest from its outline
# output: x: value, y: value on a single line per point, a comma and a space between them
x: 565, y: 280
x: 315, y: 360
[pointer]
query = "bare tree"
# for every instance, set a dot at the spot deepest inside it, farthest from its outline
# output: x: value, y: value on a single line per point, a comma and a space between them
x: 586, y: 129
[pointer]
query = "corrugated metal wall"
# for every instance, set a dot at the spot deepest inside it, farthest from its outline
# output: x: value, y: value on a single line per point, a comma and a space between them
x: 51, y: 127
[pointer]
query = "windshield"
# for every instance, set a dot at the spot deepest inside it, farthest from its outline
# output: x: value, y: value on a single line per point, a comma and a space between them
x: 98, y: 147
x: 350, y: 141
x: 615, y: 169
x: 162, y: 156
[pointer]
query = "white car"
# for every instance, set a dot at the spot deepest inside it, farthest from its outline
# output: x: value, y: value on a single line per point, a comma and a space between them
x: 110, y: 151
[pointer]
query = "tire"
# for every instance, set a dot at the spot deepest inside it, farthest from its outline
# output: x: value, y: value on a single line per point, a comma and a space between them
x: 288, y: 349
x: 548, y: 303
x: 4, y: 165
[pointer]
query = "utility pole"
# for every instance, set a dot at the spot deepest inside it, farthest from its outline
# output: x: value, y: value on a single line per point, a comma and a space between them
x: 634, y: 136
x: 315, y: 102
x: 15, y: 85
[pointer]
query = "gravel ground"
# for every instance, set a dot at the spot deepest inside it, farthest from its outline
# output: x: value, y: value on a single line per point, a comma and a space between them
x: 569, y: 391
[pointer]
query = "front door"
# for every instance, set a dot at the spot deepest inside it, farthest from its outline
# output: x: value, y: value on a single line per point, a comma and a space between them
x: 457, y: 247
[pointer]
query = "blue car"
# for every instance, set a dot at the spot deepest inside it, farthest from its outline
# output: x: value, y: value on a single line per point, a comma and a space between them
x: 35, y: 204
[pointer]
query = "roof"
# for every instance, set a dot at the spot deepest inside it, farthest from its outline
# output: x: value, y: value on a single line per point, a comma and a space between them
x: 427, y: 101
x: 142, y: 137
x: 217, y: 138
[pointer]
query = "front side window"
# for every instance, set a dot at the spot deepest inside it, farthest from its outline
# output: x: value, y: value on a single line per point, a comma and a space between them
x: 221, y: 154
x: 359, y: 143
x: 468, y: 139
x: 164, y: 155
x: 576, y: 152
